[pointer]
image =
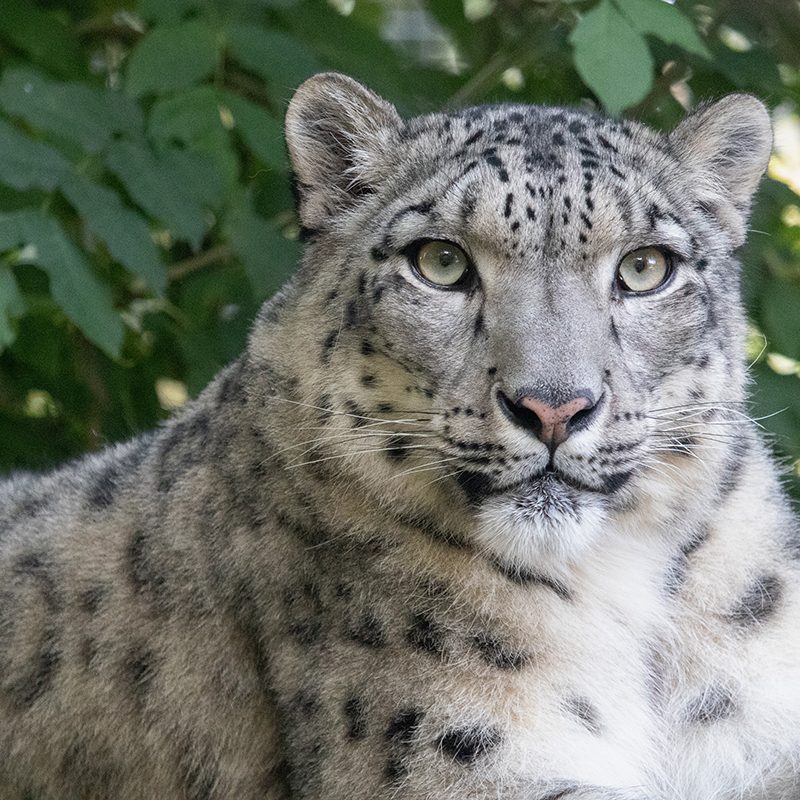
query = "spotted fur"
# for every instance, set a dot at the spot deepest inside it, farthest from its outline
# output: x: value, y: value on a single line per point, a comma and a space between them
x: 345, y: 572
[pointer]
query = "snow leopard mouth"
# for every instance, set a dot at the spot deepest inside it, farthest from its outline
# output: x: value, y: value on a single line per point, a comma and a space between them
x: 543, y: 486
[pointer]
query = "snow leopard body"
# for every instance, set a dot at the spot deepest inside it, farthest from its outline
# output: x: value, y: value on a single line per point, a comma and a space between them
x: 344, y: 573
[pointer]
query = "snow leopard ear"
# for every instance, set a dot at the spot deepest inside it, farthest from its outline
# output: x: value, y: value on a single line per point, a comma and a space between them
x: 338, y: 133
x: 726, y: 146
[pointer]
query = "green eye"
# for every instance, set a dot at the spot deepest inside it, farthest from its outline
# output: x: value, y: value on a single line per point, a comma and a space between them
x: 643, y: 270
x: 441, y: 263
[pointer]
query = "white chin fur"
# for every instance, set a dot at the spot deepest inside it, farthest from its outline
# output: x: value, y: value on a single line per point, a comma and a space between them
x: 542, y: 526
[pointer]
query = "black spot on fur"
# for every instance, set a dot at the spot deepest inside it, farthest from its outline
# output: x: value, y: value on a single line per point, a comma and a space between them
x: 715, y: 704
x: 524, y: 577
x: 466, y: 745
x: 585, y: 711
x: 475, y: 485
x: 397, y: 447
x: 759, y: 602
x: 379, y: 254
x: 101, y: 493
x: 367, y: 630
x: 400, y: 735
x: 182, y: 448
x: 90, y: 599
x: 26, y: 689
x: 509, y: 205
x: 426, y: 634
x: 144, y: 577
x: 404, y: 725
x: 498, y: 653
x: 37, y: 566
x: 367, y: 348
x: 355, y: 713
x: 474, y: 137
x: 138, y: 671
x: 615, y: 481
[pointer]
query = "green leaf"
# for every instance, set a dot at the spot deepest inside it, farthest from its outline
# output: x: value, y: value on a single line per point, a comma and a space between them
x: 11, y: 306
x: 28, y: 164
x: 73, y: 285
x: 193, y: 118
x: 780, y: 315
x: 171, y: 57
x: 612, y: 58
x: 71, y: 110
x: 125, y: 233
x: 196, y: 174
x: 268, y: 257
x: 665, y: 22
x: 43, y: 36
x: 277, y: 57
x: 262, y: 133
x: 159, y: 189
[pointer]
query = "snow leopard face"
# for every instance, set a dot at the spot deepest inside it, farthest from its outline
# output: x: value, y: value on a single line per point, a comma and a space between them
x: 543, y: 301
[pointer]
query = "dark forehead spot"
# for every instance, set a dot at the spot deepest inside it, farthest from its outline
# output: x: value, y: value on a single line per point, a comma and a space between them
x: 356, y: 716
x: 714, y: 704
x: 403, y: 726
x: 466, y: 745
x: 367, y: 630
x: 759, y: 602
x: 138, y: 670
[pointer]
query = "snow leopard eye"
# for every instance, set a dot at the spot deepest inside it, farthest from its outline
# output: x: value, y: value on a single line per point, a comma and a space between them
x: 440, y: 263
x: 643, y: 270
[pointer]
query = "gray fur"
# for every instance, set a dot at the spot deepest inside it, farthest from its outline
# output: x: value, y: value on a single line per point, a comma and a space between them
x: 342, y: 572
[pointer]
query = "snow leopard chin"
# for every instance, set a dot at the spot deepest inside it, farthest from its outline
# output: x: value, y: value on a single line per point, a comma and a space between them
x: 542, y: 525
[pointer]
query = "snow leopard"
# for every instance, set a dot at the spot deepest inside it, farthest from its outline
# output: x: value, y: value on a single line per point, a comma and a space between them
x: 479, y: 513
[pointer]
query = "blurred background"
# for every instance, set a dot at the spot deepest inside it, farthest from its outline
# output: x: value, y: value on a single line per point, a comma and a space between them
x: 145, y: 210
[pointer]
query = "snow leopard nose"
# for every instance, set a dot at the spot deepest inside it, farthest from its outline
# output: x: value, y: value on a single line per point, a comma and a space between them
x: 551, y: 424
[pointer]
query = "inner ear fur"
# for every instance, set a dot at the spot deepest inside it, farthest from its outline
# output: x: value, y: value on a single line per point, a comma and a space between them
x: 338, y: 134
x: 726, y: 146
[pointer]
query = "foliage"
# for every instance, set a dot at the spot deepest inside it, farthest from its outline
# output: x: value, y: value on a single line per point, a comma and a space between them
x: 145, y: 209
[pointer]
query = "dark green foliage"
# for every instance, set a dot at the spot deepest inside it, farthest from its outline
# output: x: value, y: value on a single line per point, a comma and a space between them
x: 145, y: 210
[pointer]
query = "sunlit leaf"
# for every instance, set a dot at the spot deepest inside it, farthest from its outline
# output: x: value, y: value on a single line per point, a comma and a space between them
x: 612, y: 58
x: 664, y: 21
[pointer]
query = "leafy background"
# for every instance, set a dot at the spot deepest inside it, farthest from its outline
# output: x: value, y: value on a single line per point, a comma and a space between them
x: 145, y: 210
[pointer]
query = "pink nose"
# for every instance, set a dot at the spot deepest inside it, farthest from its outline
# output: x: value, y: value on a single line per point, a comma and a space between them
x: 551, y: 424
x: 555, y: 423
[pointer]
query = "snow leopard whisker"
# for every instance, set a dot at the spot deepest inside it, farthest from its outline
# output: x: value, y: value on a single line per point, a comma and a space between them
x: 427, y: 467
x: 344, y: 438
x: 358, y: 453
x: 331, y: 411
